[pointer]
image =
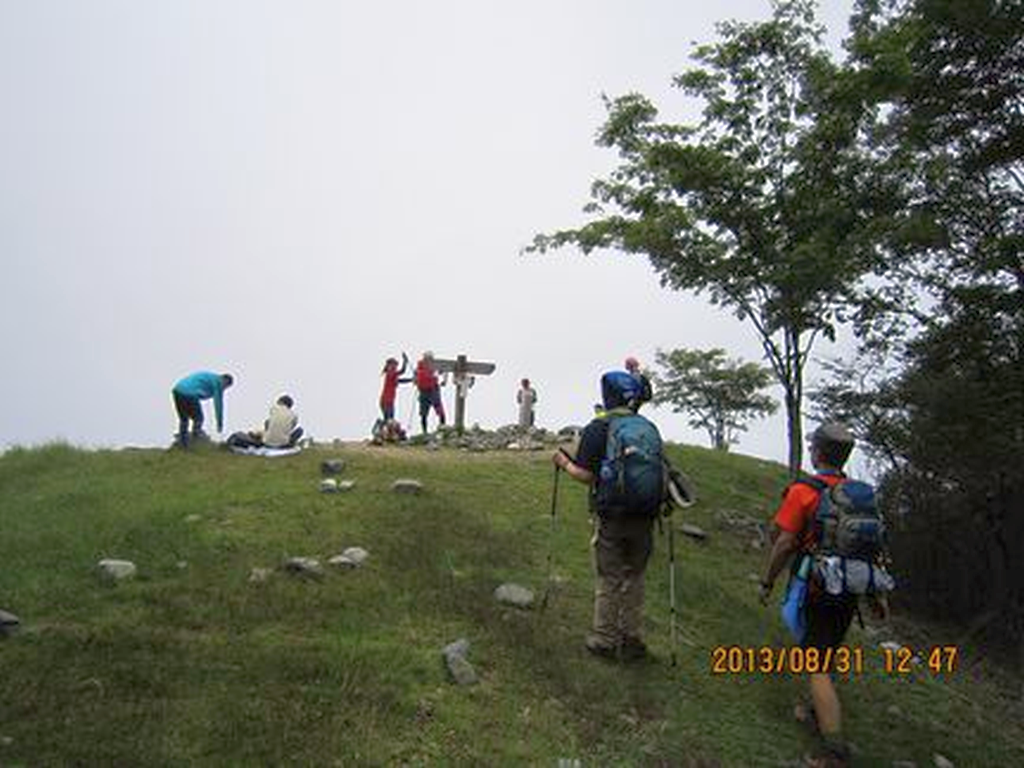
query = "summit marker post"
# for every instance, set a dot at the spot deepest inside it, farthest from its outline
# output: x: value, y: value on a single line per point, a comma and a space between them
x: 464, y: 373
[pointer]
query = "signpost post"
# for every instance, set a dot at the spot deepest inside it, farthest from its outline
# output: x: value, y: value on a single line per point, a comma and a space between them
x: 463, y: 372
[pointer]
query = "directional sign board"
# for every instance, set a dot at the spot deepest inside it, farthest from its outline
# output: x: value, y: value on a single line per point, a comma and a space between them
x: 463, y: 371
x: 467, y: 366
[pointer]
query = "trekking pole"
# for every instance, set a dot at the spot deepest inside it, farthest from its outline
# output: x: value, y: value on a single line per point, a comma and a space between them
x: 672, y: 588
x: 551, y: 542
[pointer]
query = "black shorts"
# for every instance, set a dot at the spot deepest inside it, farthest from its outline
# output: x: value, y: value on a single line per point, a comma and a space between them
x: 828, y: 619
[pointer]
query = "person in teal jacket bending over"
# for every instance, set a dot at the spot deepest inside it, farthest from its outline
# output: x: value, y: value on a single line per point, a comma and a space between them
x: 187, y: 395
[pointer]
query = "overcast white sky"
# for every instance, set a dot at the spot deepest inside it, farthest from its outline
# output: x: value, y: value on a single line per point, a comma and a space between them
x: 294, y: 190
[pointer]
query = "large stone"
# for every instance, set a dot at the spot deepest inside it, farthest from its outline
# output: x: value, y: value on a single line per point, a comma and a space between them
x: 357, y: 555
x: 458, y: 665
x: 406, y: 485
x: 346, y: 485
x: 330, y: 485
x: 116, y: 570
x: 514, y: 594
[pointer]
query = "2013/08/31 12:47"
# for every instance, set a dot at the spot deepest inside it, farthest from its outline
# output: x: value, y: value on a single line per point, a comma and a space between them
x: 903, y: 660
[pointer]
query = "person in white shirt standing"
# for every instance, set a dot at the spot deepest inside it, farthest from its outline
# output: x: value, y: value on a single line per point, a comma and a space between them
x: 527, y: 398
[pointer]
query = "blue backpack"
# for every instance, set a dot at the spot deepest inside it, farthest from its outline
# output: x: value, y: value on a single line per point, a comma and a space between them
x: 631, y: 479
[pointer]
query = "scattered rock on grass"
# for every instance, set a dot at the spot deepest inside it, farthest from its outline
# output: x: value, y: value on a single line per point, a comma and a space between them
x: 406, y: 485
x: 259, y: 575
x: 304, y: 566
x: 346, y: 485
x: 330, y: 485
x: 352, y: 557
x: 116, y: 570
x: 458, y: 666
x: 941, y: 761
x: 514, y: 594
x: 9, y: 623
x: 741, y: 523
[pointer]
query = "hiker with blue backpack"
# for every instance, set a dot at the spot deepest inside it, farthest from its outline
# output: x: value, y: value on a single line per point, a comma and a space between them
x: 828, y: 528
x: 620, y: 458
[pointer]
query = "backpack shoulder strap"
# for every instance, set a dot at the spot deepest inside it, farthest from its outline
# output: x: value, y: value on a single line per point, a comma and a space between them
x: 613, y: 413
x: 810, y: 480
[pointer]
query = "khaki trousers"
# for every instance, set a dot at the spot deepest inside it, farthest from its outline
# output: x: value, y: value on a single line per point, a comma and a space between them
x: 622, y: 547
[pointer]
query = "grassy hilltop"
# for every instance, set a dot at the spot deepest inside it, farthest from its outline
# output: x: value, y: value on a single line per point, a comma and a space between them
x: 191, y: 663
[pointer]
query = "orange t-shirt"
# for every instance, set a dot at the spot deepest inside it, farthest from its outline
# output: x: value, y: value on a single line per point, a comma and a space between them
x: 799, y: 502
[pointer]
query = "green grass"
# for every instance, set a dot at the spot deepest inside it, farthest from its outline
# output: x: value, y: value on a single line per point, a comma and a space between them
x: 192, y: 664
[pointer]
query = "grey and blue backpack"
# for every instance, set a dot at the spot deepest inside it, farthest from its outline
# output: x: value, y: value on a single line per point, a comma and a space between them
x: 847, y: 520
x: 851, y: 538
x: 631, y: 479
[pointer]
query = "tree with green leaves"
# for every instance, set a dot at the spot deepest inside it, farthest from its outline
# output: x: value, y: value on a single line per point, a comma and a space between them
x: 720, y: 394
x: 756, y: 204
x: 942, y: 85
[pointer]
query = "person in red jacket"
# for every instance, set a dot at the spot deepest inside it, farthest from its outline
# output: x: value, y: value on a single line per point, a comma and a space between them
x: 392, y: 378
x: 828, y: 616
x: 430, y: 390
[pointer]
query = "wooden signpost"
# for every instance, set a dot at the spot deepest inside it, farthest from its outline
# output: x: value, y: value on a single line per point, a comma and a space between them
x: 463, y: 373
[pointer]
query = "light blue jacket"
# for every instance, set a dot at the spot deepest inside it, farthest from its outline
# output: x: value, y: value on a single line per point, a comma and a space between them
x: 202, y: 386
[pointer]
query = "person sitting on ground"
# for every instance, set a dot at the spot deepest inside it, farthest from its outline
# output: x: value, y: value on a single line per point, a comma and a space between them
x: 281, y: 429
x: 188, y: 394
x: 828, y: 616
x: 387, y: 431
x: 623, y: 539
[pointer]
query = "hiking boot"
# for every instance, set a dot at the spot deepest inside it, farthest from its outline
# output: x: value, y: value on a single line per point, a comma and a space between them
x: 633, y: 649
x: 834, y: 754
x: 600, y: 647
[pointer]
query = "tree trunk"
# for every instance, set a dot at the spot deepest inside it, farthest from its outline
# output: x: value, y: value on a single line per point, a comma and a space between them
x: 793, y: 387
x: 794, y: 432
x: 718, y: 439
